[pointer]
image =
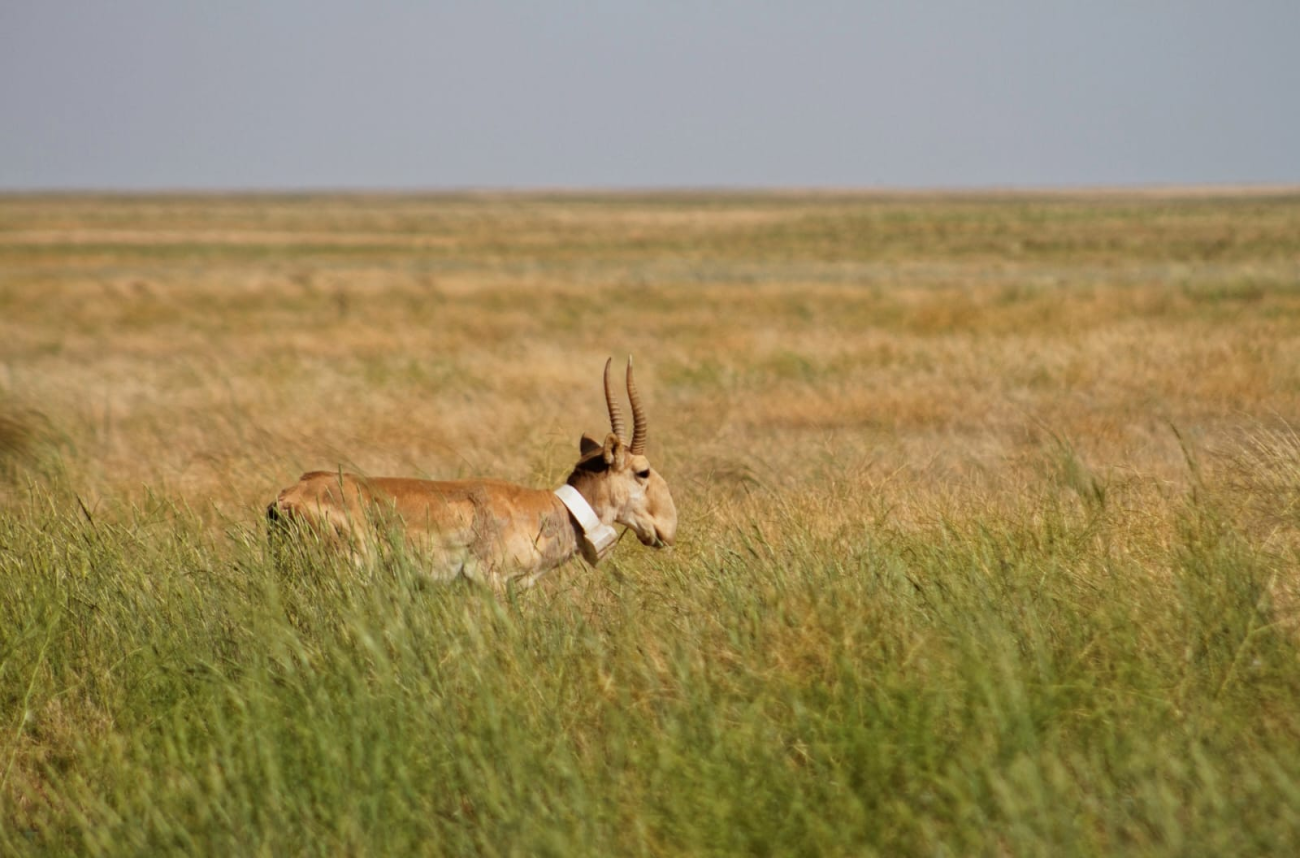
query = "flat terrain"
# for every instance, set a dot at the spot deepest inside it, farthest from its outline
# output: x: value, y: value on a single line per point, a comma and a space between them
x: 989, y: 539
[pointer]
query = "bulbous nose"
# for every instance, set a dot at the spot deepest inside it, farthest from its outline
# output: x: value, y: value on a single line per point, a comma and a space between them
x: 666, y: 526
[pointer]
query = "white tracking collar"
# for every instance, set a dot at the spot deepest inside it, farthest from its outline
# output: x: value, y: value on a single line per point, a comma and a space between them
x: 599, y: 538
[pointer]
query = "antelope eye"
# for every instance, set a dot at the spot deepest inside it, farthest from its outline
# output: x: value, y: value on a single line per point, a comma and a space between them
x: 643, y: 475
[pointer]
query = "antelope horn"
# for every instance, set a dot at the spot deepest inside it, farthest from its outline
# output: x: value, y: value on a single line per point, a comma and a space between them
x: 638, y: 415
x: 616, y: 423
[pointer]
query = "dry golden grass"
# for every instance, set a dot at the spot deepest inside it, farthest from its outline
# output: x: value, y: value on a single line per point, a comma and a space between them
x: 938, y: 346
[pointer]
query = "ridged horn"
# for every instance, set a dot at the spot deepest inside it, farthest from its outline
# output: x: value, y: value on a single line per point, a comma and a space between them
x: 638, y: 415
x: 616, y: 424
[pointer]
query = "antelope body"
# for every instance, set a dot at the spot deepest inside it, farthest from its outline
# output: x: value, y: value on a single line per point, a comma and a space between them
x: 490, y: 530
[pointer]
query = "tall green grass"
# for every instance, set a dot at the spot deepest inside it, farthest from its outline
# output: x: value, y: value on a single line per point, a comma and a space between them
x: 1049, y: 680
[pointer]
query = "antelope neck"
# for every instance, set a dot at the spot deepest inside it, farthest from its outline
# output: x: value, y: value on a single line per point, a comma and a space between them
x: 600, y: 538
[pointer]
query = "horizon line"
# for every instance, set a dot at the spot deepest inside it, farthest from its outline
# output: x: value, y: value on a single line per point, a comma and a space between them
x: 1189, y: 189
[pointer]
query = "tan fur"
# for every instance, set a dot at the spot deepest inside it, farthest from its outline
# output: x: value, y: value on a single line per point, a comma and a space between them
x: 489, y: 530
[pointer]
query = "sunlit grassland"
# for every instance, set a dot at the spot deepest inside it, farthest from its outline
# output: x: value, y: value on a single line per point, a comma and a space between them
x: 988, y: 542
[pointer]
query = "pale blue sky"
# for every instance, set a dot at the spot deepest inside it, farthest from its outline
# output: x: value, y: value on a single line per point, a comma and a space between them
x: 147, y: 94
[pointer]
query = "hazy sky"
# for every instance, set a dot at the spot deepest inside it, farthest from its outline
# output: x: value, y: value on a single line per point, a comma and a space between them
x: 143, y: 94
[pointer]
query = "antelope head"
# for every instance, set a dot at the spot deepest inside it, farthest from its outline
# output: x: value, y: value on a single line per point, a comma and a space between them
x: 616, y: 477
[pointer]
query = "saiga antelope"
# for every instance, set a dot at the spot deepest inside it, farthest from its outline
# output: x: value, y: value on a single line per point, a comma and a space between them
x: 493, y: 531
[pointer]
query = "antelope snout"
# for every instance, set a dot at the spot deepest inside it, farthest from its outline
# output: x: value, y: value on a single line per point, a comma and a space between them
x: 663, y: 537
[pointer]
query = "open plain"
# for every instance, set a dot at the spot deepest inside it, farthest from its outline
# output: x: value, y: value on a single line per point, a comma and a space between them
x: 989, y: 535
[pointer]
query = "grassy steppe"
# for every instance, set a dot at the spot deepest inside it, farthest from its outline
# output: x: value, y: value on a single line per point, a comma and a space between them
x: 989, y: 540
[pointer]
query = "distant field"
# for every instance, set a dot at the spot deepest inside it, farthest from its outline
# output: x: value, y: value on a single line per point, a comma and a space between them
x: 989, y: 538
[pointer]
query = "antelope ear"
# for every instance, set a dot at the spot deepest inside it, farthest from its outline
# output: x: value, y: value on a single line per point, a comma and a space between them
x: 588, y: 445
x: 615, y: 451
